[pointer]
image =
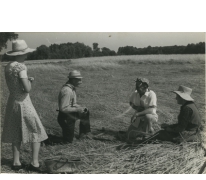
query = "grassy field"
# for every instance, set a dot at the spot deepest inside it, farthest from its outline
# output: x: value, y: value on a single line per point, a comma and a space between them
x: 107, y: 85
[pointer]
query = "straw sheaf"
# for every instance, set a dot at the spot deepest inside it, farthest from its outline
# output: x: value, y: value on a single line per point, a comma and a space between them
x: 203, y: 137
x: 164, y: 158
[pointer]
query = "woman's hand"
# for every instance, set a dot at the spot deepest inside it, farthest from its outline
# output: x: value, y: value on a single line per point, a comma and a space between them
x: 133, y: 118
x: 137, y: 114
x: 80, y: 109
x: 31, y: 79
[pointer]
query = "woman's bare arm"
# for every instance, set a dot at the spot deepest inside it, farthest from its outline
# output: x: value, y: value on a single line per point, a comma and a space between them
x: 26, y: 84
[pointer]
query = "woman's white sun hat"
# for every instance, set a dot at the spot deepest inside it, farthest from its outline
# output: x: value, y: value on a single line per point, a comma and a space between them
x: 184, y: 92
x: 19, y: 47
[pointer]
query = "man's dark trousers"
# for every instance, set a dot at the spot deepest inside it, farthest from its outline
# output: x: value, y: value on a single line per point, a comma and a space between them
x: 67, y: 123
x: 188, y: 136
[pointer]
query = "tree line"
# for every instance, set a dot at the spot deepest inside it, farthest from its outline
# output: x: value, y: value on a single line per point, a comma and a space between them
x: 80, y: 50
x: 67, y: 51
x: 198, y: 48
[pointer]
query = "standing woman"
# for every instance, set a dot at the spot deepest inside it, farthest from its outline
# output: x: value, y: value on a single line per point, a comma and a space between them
x: 21, y: 124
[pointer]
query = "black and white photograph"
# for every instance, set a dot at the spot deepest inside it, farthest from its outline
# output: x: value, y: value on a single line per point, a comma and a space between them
x: 102, y: 101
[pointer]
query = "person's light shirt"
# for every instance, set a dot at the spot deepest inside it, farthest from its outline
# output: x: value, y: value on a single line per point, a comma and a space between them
x: 67, y: 98
x: 148, y: 100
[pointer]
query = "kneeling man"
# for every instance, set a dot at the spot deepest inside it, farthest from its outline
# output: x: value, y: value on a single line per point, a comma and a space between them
x: 70, y: 111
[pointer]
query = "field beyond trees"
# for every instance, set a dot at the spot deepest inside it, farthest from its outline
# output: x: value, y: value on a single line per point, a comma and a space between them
x: 107, y: 85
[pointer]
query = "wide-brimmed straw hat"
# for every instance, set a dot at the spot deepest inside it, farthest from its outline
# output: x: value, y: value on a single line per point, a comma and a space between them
x: 75, y: 74
x: 184, y: 92
x: 19, y: 47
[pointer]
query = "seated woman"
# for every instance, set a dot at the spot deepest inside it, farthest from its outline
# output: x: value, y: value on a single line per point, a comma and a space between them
x: 144, y: 102
x: 189, y: 121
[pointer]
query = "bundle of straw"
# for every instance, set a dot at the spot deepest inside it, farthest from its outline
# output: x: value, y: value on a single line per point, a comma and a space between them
x: 164, y: 158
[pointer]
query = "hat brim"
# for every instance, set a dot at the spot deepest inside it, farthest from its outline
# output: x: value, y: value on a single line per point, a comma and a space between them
x: 78, y: 77
x: 142, y: 82
x: 184, y: 96
x: 17, y: 53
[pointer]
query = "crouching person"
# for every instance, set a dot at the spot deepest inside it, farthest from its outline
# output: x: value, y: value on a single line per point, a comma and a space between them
x: 144, y: 102
x: 189, y: 121
x: 70, y: 111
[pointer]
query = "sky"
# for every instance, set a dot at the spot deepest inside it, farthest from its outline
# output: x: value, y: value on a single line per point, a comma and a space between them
x: 111, y: 40
x: 111, y: 24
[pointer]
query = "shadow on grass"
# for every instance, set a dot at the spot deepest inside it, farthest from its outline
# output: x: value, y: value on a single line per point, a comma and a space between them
x: 105, y: 135
x: 6, y: 162
x: 98, y: 134
x: 53, y: 140
x: 139, y: 142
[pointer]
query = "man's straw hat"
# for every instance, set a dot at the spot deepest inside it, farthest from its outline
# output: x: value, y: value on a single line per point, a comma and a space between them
x: 184, y: 92
x: 19, y: 47
x: 75, y: 74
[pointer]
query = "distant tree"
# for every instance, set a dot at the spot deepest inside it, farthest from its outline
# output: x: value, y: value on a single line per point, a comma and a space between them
x: 6, y: 58
x: 88, y: 51
x: 97, y: 53
x: 54, y: 48
x: 112, y: 53
x: 95, y: 46
x: 54, y: 51
x: 189, y: 49
x: 42, y: 52
x: 127, y: 50
x: 61, y: 51
x: 195, y: 48
x: 201, y: 47
x: 96, y: 50
x: 105, y: 51
x: 79, y: 49
x: 149, y: 50
x: 4, y: 37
